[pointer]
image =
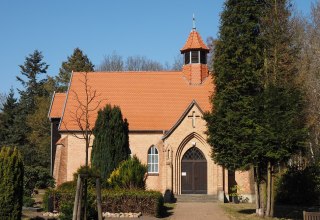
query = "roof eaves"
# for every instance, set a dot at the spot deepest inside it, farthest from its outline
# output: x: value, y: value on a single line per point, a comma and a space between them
x: 52, y: 98
x: 170, y: 131
x: 65, y: 101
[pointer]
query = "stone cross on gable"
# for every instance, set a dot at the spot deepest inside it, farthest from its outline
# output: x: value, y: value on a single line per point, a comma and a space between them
x: 193, y: 117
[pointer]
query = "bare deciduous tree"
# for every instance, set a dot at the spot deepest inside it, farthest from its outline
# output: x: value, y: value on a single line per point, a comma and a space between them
x: 141, y: 63
x: 308, y: 37
x: 177, y: 63
x: 113, y: 62
x: 87, y: 103
x: 86, y: 107
x: 3, y: 98
x: 211, y: 42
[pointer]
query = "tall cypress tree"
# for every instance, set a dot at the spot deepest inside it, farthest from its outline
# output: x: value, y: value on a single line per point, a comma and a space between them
x: 77, y: 62
x: 237, y: 64
x: 11, y: 183
x: 257, y: 117
x: 111, y: 140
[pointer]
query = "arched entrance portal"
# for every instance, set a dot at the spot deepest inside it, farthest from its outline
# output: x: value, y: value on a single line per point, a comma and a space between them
x: 193, y: 172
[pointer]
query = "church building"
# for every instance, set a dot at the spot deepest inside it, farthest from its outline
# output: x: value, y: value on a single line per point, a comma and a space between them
x: 167, y: 131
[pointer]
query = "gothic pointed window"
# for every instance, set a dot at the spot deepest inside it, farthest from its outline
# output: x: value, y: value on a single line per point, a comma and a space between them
x: 193, y: 154
x: 153, y: 160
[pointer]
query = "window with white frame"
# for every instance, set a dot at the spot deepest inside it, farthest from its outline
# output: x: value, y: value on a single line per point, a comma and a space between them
x: 153, y: 160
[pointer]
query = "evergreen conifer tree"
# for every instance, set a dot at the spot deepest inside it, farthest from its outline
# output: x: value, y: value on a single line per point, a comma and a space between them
x: 258, y: 109
x: 32, y: 68
x: 11, y: 183
x: 237, y: 64
x: 281, y: 130
x: 34, y: 87
x: 77, y: 62
x: 7, y: 121
x: 111, y: 142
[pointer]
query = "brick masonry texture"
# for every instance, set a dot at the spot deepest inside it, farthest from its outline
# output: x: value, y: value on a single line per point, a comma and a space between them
x: 71, y: 155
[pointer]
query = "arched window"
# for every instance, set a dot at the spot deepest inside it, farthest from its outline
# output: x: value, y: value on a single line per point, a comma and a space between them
x: 153, y: 160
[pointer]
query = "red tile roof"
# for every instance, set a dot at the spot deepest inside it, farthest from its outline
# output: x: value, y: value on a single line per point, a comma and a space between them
x: 194, y: 42
x: 149, y: 100
x: 57, y: 104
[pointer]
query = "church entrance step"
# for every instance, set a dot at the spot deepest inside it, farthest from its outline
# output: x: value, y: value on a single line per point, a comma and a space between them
x: 196, y: 198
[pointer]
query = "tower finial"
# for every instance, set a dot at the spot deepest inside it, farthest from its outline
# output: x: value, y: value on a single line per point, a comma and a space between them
x: 193, y: 23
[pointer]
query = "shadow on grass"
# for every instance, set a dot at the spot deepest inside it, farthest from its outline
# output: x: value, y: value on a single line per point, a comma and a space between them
x: 247, y: 211
x: 284, y: 211
x: 167, y: 210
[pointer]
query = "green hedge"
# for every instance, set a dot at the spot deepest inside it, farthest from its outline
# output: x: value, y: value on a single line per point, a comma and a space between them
x: 146, y: 202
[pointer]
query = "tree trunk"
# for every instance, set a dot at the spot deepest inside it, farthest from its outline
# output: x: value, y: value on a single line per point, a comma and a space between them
x: 80, y: 201
x: 259, y: 210
x: 98, y: 191
x: 269, y: 190
x: 272, y: 193
x: 76, y: 200
x: 86, y: 176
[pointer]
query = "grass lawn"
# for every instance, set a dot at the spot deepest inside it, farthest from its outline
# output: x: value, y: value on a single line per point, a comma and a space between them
x: 246, y: 211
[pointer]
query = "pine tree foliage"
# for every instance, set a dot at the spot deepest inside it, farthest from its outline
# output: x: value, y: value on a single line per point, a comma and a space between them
x: 258, y: 108
x: 11, y: 183
x: 8, y: 115
x: 40, y: 129
x: 35, y: 88
x: 77, y: 62
x: 237, y: 68
x: 111, y: 142
x: 32, y: 68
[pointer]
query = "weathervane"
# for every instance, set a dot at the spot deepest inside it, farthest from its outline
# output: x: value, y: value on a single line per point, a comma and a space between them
x: 193, y: 23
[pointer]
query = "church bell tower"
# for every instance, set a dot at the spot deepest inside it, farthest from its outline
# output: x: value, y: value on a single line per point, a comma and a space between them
x: 195, y: 67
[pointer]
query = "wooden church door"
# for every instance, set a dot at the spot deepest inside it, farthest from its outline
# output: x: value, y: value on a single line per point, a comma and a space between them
x: 193, y: 172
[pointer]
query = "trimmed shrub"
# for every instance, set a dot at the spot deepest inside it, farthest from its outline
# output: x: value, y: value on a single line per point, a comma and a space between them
x: 129, y: 175
x: 299, y: 186
x: 11, y: 183
x: 147, y: 202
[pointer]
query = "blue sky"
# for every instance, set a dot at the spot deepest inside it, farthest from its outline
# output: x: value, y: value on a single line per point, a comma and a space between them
x: 156, y: 29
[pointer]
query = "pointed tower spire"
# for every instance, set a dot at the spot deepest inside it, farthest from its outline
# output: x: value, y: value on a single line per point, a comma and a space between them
x: 195, y: 51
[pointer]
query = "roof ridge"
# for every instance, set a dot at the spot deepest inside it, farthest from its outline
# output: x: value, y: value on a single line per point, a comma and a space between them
x: 152, y: 71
